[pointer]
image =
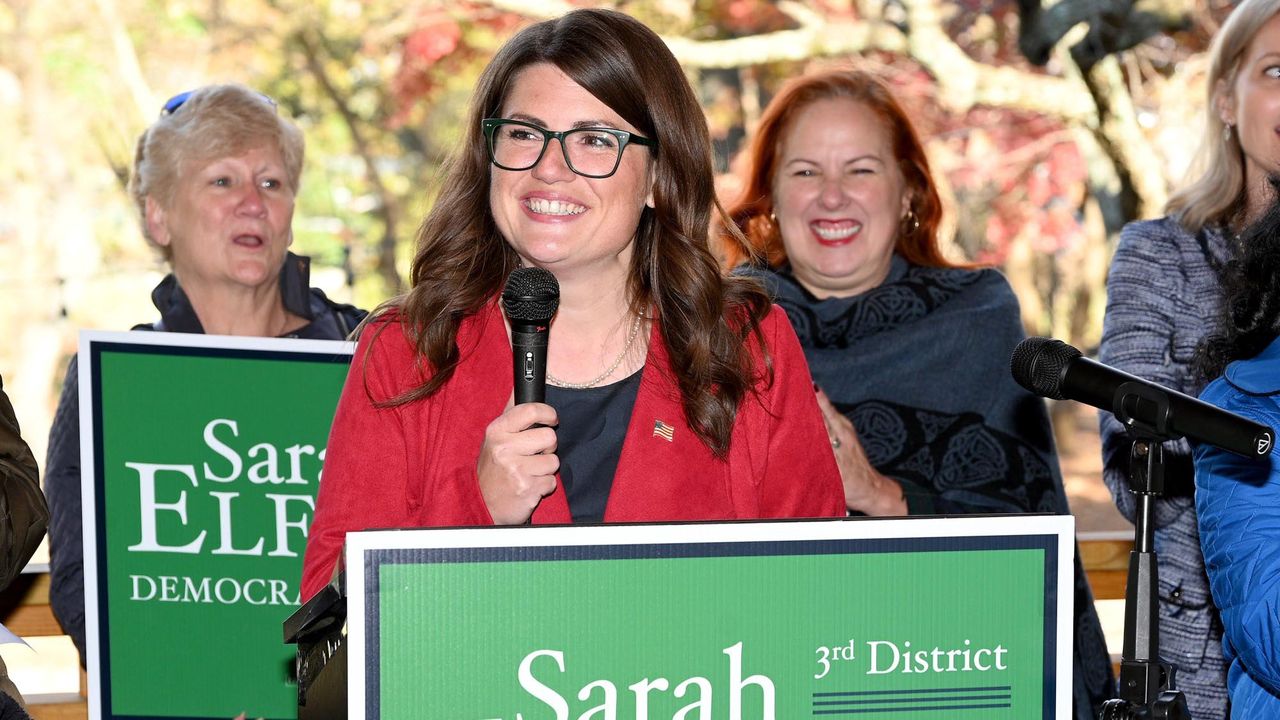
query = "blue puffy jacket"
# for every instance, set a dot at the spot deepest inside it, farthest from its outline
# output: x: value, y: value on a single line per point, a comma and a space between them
x: 1238, y: 503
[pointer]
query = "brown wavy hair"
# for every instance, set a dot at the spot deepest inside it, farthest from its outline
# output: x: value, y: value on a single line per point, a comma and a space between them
x: 751, y: 212
x: 462, y: 261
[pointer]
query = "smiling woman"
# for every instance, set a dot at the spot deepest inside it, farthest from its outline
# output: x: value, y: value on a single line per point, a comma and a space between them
x: 685, y: 396
x: 573, y: 212
x: 840, y: 197
x: 214, y: 181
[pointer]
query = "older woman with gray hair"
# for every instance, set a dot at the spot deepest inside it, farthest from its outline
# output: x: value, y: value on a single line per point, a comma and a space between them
x: 214, y: 180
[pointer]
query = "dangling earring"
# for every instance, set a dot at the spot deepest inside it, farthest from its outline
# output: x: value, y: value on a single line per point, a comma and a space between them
x: 1226, y: 134
x: 910, y: 222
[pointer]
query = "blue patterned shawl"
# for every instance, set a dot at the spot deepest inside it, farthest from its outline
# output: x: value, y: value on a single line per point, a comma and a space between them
x: 920, y: 364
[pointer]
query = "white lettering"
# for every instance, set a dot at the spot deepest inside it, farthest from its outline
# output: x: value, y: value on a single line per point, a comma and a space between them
x: 168, y: 588
x: 641, y: 690
x: 283, y: 523
x: 608, y: 706
x: 248, y: 585
x: 227, y: 582
x: 703, y: 706
x: 901, y: 658
x: 875, y: 657
x: 295, y: 453
x: 266, y: 471
x: 193, y: 593
x: 977, y: 659
x: 278, y: 588
x: 226, y: 590
x: 535, y: 688
x: 148, y: 508
x: 151, y: 584
x: 222, y: 449
x: 224, y: 526
x: 736, y: 685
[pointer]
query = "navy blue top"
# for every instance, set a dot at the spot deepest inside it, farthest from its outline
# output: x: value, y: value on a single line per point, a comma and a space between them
x: 593, y: 424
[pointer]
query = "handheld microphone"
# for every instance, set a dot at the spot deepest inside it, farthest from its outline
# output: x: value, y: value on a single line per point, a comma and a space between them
x: 1053, y: 369
x: 530, y: 299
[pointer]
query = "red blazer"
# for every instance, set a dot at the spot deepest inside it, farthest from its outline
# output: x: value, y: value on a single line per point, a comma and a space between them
x: 415, y: 465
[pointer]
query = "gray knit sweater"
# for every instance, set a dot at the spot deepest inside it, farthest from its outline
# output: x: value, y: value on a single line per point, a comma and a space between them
x: 1162, y: 299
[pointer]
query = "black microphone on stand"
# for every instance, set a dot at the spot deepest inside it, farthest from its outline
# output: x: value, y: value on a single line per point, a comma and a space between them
x: 530, y: 299
x: 1053, y: 369
x: 1151, y: 414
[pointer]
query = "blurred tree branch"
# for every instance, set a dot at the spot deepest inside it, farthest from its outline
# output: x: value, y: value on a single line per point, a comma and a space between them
x: 1113, y: 26
x: 387, y: 206
x: 126, y: 62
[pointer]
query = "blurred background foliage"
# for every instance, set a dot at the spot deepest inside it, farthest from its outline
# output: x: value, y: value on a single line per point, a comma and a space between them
x: 1050, y: 125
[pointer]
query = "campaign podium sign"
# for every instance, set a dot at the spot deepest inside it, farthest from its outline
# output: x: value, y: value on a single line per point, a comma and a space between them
x: 888, y: 619
x: 200, y: 459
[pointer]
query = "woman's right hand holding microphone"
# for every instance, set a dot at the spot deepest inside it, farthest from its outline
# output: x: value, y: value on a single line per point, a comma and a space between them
x: 518, y: 465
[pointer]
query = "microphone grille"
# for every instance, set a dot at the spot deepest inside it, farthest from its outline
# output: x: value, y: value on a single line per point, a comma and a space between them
x: 531, y: 295
x: 1039, y: 364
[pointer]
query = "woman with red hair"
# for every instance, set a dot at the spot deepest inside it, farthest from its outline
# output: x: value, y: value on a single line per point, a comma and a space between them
x: 909, y: 352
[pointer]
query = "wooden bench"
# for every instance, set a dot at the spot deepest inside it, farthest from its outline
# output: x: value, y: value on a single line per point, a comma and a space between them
x: 1106, y: 562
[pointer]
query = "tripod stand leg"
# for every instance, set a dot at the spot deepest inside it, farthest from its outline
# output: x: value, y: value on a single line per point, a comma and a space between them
x: 1147, y: 685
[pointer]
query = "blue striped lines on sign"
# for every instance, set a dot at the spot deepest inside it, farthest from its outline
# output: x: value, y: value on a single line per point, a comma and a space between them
x: 925, y: 700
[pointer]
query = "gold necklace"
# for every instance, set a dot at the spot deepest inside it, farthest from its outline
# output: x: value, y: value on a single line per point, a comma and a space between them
x: 631, y: 338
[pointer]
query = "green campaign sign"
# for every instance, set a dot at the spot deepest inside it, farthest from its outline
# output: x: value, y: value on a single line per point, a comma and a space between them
x: 910, y: 618
x: 201, y: 462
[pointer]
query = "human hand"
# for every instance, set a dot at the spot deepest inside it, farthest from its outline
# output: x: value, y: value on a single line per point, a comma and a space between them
x: 517, y: 465
x: 865, y: 489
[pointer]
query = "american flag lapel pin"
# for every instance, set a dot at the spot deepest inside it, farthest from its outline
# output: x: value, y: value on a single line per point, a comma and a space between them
x: 664, y: 431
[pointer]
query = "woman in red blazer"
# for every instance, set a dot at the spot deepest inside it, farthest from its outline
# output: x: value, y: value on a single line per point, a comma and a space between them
x: 674, y: 393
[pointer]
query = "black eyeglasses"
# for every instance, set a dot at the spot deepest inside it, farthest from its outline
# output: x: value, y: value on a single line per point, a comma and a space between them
x: 593, y: 152
x: 172, y: 104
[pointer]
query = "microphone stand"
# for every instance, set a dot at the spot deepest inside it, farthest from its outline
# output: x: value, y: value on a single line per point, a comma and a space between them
x: 1147, y: 683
